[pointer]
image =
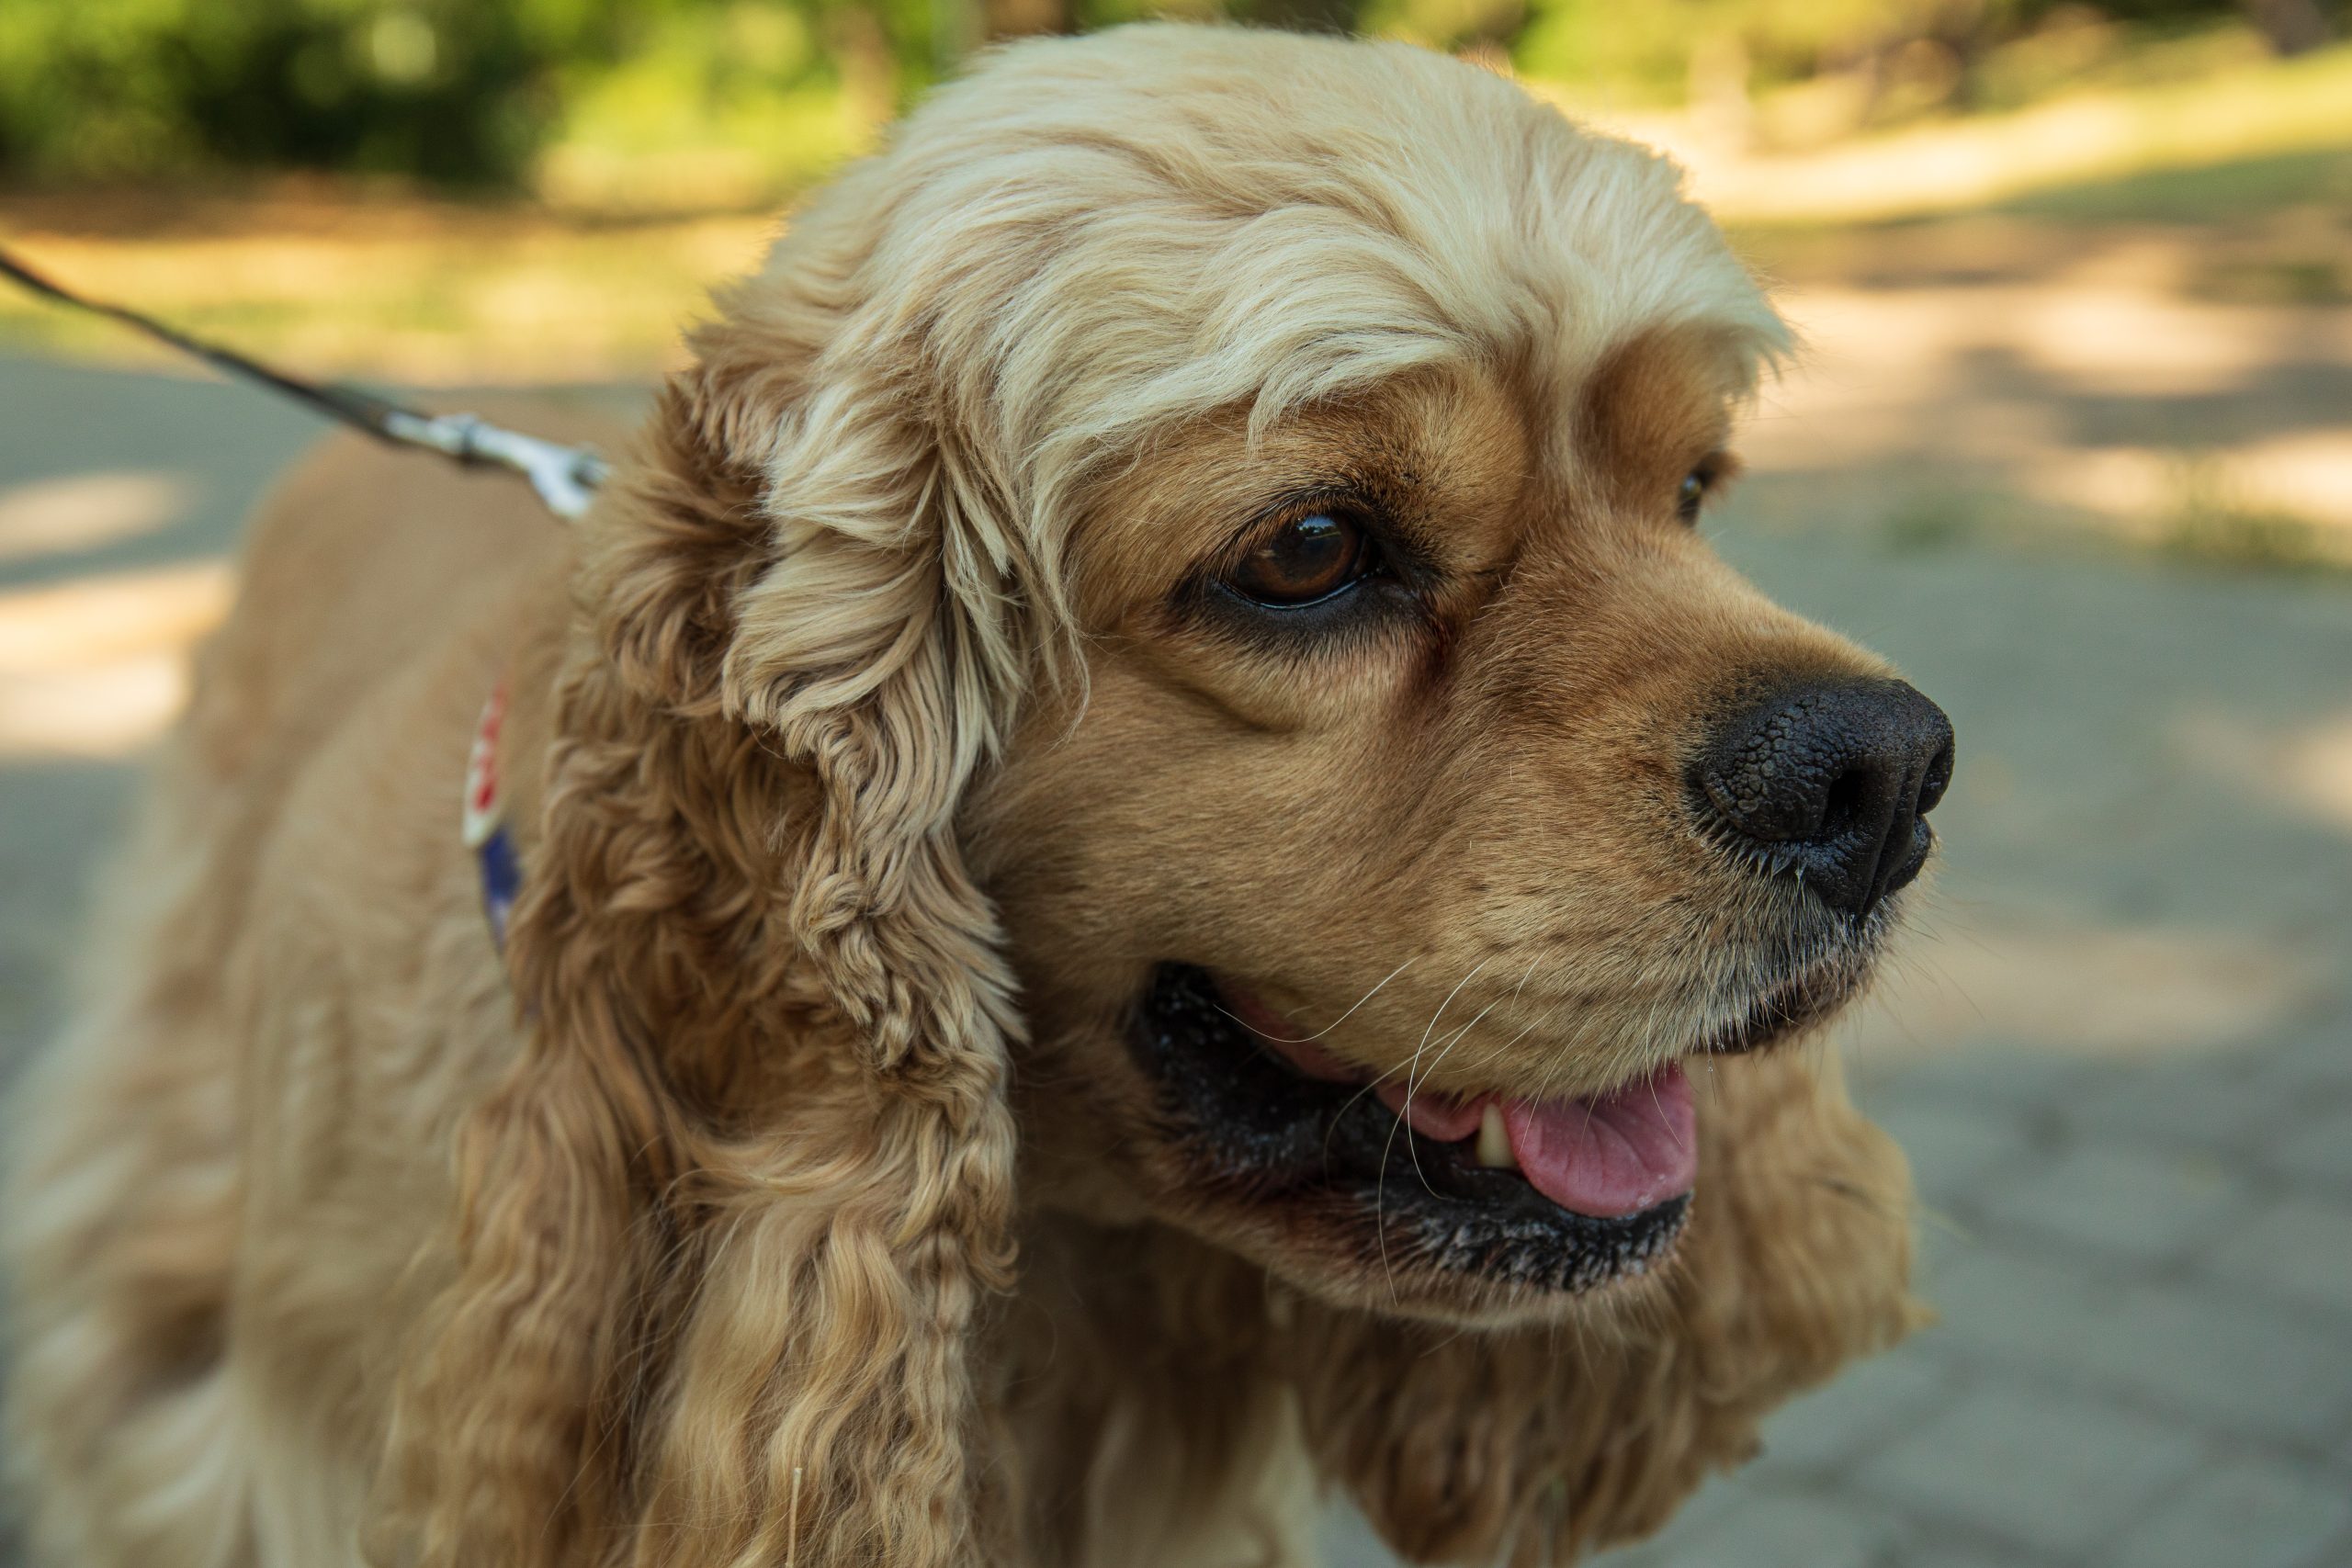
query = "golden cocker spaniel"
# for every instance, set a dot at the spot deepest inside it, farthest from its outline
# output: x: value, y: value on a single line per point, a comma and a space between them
x: 1152, y: 870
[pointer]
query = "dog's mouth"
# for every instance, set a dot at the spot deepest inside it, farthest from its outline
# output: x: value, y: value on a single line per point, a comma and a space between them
x: 1550, y: 1194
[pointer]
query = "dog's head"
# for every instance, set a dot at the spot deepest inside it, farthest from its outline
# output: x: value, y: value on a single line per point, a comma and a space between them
x: 1195, y: 546
x: 1429, y: 812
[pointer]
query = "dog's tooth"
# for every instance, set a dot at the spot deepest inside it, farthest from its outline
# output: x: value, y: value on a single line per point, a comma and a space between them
x: 1494, y: 1140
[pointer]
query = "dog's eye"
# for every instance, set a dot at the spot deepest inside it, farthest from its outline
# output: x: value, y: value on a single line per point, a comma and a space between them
x: 1703, y: 482
x: 1691, y: 495
x: 1304, y: 561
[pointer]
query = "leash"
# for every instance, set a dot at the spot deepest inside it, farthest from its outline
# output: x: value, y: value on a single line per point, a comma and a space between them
x: 565, y: 477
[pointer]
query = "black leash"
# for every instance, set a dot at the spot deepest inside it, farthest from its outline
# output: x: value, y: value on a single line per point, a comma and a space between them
x: 565, y: 477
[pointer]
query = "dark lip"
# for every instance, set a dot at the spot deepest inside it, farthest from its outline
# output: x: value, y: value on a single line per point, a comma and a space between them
x: 1793, y: 1005
x: 1343, y: 1172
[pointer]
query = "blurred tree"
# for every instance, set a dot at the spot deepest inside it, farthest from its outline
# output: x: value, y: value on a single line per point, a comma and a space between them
x: 2291, y: 26
x: 1024, y: 19
x: 1306, y: 15
x: 475, y: 91
x: 446, y: 89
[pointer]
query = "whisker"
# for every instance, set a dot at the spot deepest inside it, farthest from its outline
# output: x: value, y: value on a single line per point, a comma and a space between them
x: 1412, y: 1086
x: 1380, y: 1180
x: 1431, y: 1027
x: 1311, y: 1039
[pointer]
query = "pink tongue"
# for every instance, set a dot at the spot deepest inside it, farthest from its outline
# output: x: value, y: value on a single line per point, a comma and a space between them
x: 1615, y: 1155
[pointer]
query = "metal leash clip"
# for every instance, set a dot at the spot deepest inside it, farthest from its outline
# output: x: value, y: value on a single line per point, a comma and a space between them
x: 566, y: 477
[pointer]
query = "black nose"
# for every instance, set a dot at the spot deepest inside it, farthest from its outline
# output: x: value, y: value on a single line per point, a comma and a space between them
x: 1833, y: 781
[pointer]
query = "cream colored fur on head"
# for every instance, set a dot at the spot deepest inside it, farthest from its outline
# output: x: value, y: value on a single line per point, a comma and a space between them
x: 701, y: 1230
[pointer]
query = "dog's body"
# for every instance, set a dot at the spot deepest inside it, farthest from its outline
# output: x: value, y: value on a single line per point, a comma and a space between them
x: 744, y: 1208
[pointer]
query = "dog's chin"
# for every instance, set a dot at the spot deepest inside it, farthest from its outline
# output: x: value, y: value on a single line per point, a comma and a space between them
x: 1316, y: 1177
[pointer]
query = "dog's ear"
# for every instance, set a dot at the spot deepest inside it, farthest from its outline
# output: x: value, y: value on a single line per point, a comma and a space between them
x: 729, y: 1225
x: 1534, y: 1447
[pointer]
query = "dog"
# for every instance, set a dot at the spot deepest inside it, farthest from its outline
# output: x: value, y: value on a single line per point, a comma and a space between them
x: 1153, y: 874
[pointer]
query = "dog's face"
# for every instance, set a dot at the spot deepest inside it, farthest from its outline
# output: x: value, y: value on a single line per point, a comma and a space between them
x: 1384, y: 922
x: 1435, y: 811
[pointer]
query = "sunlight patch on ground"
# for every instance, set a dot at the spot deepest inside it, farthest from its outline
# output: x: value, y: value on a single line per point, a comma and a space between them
x: 2318, y: 771
x: 108, y: 710
x: 2307, y: 768
x: 82, y: 512
x: 2305, y: 478
x: 2099, y: 990
x: 98, y: 667
x: 2136, y: 342
x: 1866, y: 347
x: 424, y: 294
x: 2261, y: 111
x: 2105, y: 404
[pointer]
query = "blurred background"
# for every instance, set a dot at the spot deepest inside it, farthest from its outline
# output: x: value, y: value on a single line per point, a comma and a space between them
x: 2071, y: 441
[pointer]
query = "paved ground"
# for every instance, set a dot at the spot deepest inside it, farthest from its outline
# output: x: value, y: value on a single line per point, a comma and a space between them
x: 2120, y: 1055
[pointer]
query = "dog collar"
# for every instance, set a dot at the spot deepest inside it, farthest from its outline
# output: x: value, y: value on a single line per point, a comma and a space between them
x: 484, y: 825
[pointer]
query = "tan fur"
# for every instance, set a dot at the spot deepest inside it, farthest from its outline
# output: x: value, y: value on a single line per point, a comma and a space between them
x: 786, y: 1196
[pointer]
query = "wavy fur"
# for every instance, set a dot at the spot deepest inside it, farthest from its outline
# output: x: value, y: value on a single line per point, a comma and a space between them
x: 686, y: 1237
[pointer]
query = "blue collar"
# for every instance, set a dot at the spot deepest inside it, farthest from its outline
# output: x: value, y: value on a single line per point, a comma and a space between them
x: 485, y: 828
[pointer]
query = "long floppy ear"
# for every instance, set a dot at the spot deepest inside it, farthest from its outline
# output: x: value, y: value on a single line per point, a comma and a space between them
x: 726, y: 1227
x: 1536, y: 1447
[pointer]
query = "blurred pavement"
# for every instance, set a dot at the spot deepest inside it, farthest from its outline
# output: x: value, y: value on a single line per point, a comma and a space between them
x: 2120, y: 1054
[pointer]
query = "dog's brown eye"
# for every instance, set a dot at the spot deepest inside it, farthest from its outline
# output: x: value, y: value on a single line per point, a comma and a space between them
x: 1691, y: 495
x: 1303, y: 562
x: 1713, y: 472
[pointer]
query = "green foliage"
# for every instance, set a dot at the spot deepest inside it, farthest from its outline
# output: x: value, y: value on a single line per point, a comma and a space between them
x: 116, y: 88
x: 453, y: 91
x: 709, y: 105
x: 1646, y: 50
x: 462, y: 92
